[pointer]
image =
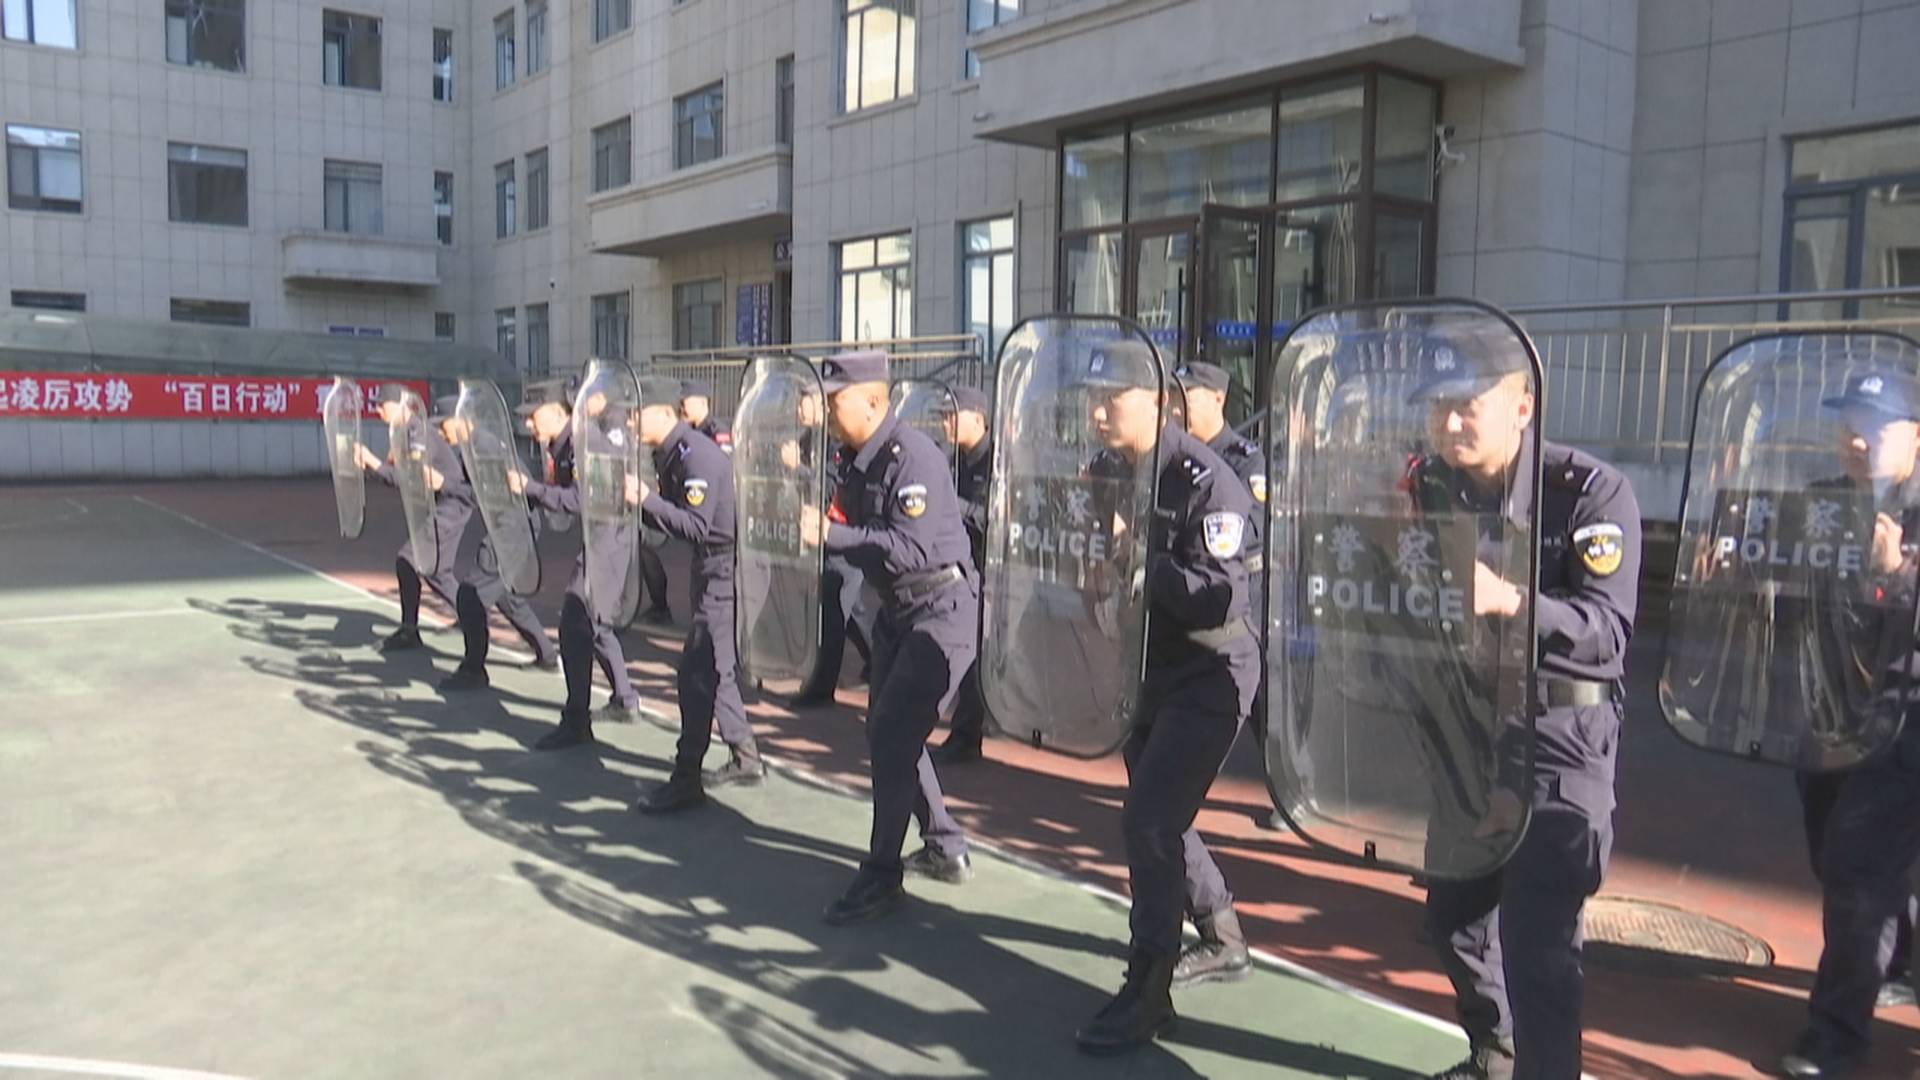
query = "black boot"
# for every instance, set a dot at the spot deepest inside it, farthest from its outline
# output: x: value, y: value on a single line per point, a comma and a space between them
x: 1484, y: 1063
x: 682, y: 791
x: 466, y: 678
x: 1141, y: 1012
x: 574, y: 729
x: 959, y: 749
x: 1219, y: 956
x: 407, y: 637
x: 745, y: 767
x: 613, y: 712
x: 871, y: 895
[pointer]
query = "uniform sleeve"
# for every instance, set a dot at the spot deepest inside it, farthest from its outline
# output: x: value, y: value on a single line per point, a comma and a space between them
x: 554, y: 498
x: 894, y: 539
x: 454, y: 483
x: 1590, y: 619
x: 683, y: 522
x: 385, y: 472
x: 1195, y: 586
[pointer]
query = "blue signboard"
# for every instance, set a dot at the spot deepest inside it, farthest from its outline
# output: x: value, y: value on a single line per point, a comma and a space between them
x: 753, y: 314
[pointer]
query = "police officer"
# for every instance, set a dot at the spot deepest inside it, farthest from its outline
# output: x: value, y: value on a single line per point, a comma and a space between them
x: 1869, y: 838
x: 1510, y: 941
x: 969, y: 432
x: 902, y: 527
x: 587, y: 637
x: 452, y: 507
x: 482, y: 588
x: 1202, y: 667
x: 696, y: 408
x: 842, y: 618
x: 695, y: 505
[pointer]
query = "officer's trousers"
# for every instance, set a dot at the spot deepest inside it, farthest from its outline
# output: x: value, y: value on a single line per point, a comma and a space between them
x: 653, y: 574
x: 584, y: 641
x: 442, y: 581
x: 1871, y: 841
x: 841, y: 617
x: 708, y: 688
x: 1510, y: 942
x: 919, y: 656
x: 1819, y: 793
x: 482, y: 590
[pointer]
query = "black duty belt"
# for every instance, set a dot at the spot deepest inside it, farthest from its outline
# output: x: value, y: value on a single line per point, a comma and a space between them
x: 913, y: 588
x: 1573, y: 693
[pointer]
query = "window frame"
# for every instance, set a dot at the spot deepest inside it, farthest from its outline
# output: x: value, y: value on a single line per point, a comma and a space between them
x: 51, y: 300
x: 785, y: 105
x: 443, y: 81
x: 238, y: 11
x: 240, y: 311
x: 443, y: 225
x: 246, y: 196
x: 504, y: 53
x: 596, y: 151
x: 1855, y: 191
x: 379, y: 204
x: 852, y: 62
x: 506, y: 335
x: 969, y: 63
x: 538, y: 197
x: 685, y: 122
x: 328, y: 34
x: 539, y: 45
x: 605, y: 29
x: 968, y: 257
x: 506, y: 200
x: 539, y: 340
x: 620, y: 307
x: 687, y: 306
x: 451, y: 326
x: 31, y: 37
x: 843, y: 276
x: 38, y: 202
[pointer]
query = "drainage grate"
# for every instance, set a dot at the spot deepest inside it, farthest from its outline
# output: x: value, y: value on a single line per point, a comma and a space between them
x: 1655, y: 938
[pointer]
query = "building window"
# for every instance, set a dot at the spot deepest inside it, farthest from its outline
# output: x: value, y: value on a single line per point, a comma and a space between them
x: 877, y: 45
x: 207, y: 33
x: 350, y: 50
x: 43, y: 169
x: 505, y: 336
x: 986, y: 281
x: 611, y: 17
x: 503, y: 50
x: 442, y: 65
x: 49, y: 301
x: 875, y: 282
x: 537, y: 54
x: 696, y: 314
x: 783, y: 101
x: 698, y: 119
x: 206, y: 185
x: 613, y: 154
x: 443, y: 326
x: 1853, y: 221
x: 537, y: 185
x: 505, y: 207
x: 349, y: 330
x: 985, y: 15
x: 539, y: 352
x: 212, y: 312
x: 611, y: 317
x: 443, y: 206
x: 40, y: 22
x: 353, y: 202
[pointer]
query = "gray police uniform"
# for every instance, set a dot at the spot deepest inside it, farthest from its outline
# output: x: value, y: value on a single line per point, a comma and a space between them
x: 976, y: 471
x: 586, y: 637
x: 452, y: 512
x: 695, y: 504
x: 1510, y: 942
x: 903, y: 530
x: 481, y: 589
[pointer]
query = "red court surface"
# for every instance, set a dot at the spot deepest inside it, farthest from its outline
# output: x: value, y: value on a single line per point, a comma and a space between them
x: 1704, y: 834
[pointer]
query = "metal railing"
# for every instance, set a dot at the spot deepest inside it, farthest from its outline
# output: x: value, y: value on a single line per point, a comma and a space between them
x: 957, y: 359
x: 1621, y: 377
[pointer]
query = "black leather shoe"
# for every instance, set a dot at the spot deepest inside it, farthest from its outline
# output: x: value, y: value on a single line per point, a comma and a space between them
x: 1484, y: 1063
x: 1895, y: 994
x: 407, y: 637
x: 615, y: 713
x: 1813, y: 1059
x: 957, y: 750
x: 466, y: 679
x: 1141, y: 1012
x: 870, y: 896
x: 572, y: 732
x: 931, y: 862
x: 657, y: 616
x: 682, y: 791
x: 551, y: 663
x: 744, y: 767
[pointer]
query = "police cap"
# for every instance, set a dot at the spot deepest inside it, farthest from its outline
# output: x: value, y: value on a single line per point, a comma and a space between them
x: 841, y: 370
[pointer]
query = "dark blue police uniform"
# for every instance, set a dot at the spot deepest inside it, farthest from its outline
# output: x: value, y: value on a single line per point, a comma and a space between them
x: 975, y: 474
x: 452, y: 511
x: 1510, y: 942
x: 481, y: 588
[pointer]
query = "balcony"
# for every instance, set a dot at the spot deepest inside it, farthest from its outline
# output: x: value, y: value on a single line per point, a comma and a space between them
x: 311, y: 257
x: 740, y: 197
x: 1082, y: 62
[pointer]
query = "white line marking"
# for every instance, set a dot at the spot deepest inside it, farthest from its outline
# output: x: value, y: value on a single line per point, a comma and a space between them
x: 81, y: 511
x: 87, y: 1067
x: 1275, y: 961
x: 504, y: 650
x: 98, y: 616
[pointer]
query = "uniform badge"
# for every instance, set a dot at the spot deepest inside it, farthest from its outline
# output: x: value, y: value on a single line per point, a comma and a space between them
x: 1224, y: 531
x: 696, y: 492
x: 1602, y: 546
x: 1258, y: 482
x: 913, y: 499
x: 616, y: 437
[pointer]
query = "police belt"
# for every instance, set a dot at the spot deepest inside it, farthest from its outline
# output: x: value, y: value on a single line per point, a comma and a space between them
x: 912, y: 588
x: 1575, y: 693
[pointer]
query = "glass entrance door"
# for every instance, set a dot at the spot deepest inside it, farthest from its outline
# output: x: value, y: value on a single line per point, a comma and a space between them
x: 1163, y: 277
x: 1229, y: 325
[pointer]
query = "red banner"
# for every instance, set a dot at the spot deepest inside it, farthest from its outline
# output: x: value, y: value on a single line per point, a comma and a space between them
x: 49, y: 395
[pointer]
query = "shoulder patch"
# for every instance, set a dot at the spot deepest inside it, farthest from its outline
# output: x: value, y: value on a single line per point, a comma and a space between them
x: 1258, y: 484
x: 1602, y: 546
x: 913, y: 499
x: 1224, y: 531
x: 696, y: 492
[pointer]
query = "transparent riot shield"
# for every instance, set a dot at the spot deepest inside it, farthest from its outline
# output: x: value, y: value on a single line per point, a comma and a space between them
x: 1080, y: 406
x: 1791, y: 628
x: 779, y: 472
x: 487, y: 448
x: 340, y: 418
x: 929, y: 407
x: 1399, y: 721
x: 409, y: 438
x: 607, y: 467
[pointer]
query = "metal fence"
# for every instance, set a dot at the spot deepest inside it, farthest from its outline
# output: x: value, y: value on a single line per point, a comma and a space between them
x: 956, y: 359
x: 1621, y: 378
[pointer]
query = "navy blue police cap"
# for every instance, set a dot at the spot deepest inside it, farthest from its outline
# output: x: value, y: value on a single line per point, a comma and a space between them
x: 1463, y: 363
x: 841, y: 370
x: 1205, y: 376
x: 1119, y: 365
x: 693, y: 388
x: 1895, y: 395
x: 445, y: 405
x: 658, y: 390
x: 968, y: 399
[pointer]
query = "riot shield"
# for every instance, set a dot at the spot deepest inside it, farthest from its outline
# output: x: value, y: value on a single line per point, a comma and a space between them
x: 340, y: 417
x: 607, y: 455
x: 408, y: 435
x: 1791, y: 627
x: 1399, y: 721
x: 1063, y: 607
x: 929, y: 407
x: 491, y: 458
x: 779, y: 470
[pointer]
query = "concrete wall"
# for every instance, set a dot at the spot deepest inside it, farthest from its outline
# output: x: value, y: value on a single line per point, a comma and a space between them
x: 46, y: 450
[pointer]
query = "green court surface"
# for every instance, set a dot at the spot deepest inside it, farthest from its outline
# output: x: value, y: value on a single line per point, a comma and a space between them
x: 237, y: 839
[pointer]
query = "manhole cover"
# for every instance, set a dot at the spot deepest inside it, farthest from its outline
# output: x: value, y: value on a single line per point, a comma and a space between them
x: 1648, y: 936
